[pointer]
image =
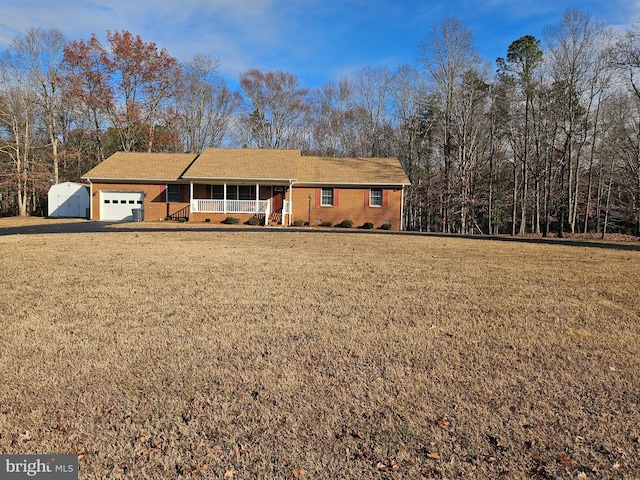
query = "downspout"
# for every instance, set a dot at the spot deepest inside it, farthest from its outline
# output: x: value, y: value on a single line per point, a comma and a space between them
x: 402, y: 208
x: 90, y: 199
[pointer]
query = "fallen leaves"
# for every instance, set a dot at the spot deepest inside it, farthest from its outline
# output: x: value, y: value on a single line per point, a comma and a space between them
x: 60, y: 428
x: 442, y: 422
x: 394, y: 467
x: 538, y: 459
x: 297, y: 473
x: 82, y: 454
x: 565, y: 460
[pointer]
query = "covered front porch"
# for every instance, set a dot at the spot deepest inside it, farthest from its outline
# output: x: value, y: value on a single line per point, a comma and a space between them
x: 269, y: 202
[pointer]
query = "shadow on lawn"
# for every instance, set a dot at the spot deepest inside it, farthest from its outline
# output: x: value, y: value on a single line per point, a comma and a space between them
x: 105, y: 227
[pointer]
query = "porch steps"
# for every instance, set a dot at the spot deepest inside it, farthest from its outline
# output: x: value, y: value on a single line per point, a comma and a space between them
x: 182, y: 213
x: 275, y: 218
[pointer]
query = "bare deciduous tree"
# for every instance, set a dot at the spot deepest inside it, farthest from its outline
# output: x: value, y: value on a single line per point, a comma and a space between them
x: 448, y: 53
x: 204, y: 104
x: 277, y: 105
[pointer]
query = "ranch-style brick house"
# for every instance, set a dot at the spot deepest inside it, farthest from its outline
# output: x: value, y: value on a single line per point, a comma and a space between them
x: 277, y: 186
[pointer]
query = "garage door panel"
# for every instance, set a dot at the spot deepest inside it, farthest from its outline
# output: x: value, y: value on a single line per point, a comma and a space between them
x: 118, y: 206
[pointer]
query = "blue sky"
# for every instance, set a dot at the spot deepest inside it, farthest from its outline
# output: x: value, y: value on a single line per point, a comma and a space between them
x: 317, y: 40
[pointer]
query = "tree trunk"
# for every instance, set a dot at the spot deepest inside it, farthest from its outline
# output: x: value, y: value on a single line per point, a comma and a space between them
x: 22, y: 197
x: 599, y: 200
x: 537, y: 212
x: 607, y: 203
x: 589, y: 188
x: 514, y: 212
x: 576, y: 189
x: 591, y: 159
x: 563, y: 200
x: 525, y: 171
x: 490, y: 200
x: 547, y: 194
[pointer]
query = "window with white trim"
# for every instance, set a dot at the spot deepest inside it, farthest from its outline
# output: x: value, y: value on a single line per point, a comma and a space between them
x: 326, y: 197
x: 240, y: 192
x: 375, y: 197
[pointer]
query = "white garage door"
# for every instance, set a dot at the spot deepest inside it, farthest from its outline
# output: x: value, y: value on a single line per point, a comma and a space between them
x: 119, y: 205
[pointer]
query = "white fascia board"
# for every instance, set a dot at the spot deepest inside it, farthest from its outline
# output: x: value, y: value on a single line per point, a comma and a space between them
x: 132, y: 180
x: 244, y: 179
x: 350, y: 184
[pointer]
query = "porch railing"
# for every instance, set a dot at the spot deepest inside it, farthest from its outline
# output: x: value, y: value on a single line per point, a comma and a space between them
x: 229, y: 206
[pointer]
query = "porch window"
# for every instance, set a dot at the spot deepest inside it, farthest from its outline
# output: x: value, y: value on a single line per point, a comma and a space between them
x: 240, y: 192
x: 375, y: 197
x: 326, y: 197
x: 173, y: 193
x: 244, y: 192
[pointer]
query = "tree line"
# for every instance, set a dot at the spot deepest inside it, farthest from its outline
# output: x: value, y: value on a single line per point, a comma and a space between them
x: 545, y: 140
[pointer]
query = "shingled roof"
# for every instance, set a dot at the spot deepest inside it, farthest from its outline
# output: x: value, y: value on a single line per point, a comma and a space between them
x: 340, y: 170
x: 244, y: 164
x: 141, y: 166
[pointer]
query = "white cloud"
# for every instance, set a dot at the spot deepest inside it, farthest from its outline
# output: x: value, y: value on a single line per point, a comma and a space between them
x: 315, y: 39
x: 236, y: 32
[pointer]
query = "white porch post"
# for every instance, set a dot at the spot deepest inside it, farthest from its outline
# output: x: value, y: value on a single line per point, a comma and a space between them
x: 257, y: 198
x: 191, y: 196
x: 224, y: 200
x: 290, y: 205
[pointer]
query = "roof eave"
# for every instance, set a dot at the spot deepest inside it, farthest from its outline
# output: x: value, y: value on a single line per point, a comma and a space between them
x: 369, y: 184
x: 240, y: 179
x: 145, y: 180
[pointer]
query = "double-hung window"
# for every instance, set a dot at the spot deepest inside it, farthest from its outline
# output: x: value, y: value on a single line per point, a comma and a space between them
x: 217, y: 192
x: 240, y: 192
x: 375, y: 197
x: 244, y: 192
x: 326, y: 197
x: 173, y: 193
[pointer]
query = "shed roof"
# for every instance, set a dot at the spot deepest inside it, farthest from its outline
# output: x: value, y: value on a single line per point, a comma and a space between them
x: 141, y: 166
x: 244, y: 163
x: 341, y: 170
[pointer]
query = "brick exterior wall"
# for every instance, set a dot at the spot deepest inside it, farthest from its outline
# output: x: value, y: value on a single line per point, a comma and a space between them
x: 217, y: 218
x: 155, y: 200
x: 349, y: 204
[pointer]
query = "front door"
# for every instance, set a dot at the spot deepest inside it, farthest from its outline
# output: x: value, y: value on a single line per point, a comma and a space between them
x: 278, y: 197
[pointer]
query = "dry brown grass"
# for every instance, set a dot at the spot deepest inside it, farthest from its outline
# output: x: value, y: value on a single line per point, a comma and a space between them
x: 6, y: 222
x: 316, y: 355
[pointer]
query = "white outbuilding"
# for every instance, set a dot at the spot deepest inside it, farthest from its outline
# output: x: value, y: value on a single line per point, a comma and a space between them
x: 69, y: 199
